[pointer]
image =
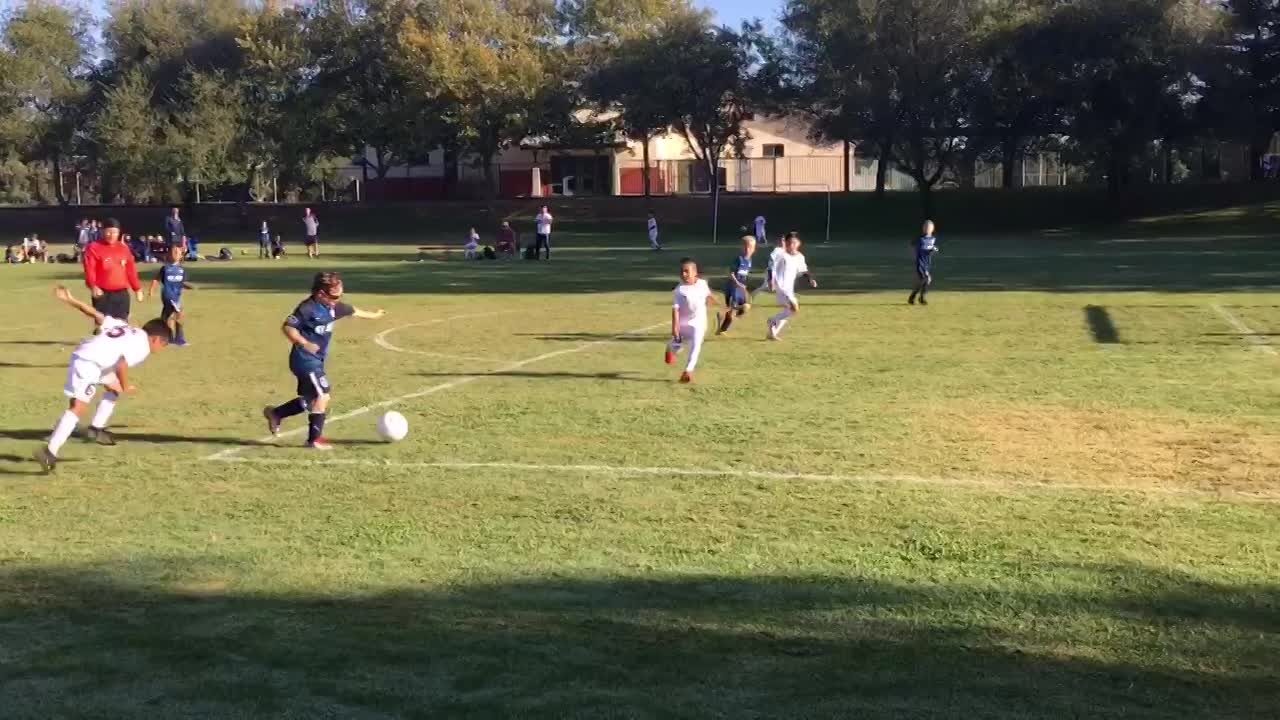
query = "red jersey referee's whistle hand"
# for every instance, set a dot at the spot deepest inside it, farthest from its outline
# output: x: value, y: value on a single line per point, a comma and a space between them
x: 96, y: 292
x: 139, y: 295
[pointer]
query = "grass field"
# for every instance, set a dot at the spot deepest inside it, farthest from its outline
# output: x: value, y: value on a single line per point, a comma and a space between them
x: 1055, y: 492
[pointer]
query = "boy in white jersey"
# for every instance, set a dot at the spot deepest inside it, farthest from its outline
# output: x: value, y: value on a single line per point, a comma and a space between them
x: 100, y: 360
x: 789, y: 267
x: 762, y: 238
x: 653, y: 232
x: 688, y: 317
x: 778, y: 251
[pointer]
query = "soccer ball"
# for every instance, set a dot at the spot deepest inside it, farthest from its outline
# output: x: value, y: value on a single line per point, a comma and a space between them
x: 392, y: 426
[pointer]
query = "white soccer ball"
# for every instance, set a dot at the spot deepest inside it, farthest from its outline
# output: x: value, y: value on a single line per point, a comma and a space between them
x: 392, y: 426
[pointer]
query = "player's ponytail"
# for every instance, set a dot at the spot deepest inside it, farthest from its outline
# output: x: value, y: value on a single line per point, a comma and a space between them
x: 325, y: 282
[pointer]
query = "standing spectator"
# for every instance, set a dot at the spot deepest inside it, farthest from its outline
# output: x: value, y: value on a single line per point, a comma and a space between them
x: 543, y: 240
x: 95, y: 232
x: 110, y: 272
x: 264, y: 242
x: 84, y: 232
x: 173, y: 229
x: 312, y: 226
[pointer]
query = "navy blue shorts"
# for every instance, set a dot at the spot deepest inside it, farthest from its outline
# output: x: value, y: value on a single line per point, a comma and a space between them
x: 734, y: 296
x: 312, y: 382
x: 922, y: 268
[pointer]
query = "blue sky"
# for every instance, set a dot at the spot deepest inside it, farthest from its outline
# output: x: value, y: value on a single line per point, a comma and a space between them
x: 731, y: 12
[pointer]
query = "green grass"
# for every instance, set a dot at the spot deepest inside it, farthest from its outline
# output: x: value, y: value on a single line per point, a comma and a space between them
x: 1051, y: 493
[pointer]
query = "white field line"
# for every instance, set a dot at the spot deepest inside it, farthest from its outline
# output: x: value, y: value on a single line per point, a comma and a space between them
x: 1260, y: 342
x: 433, y: 389
x: 381, y: 338
x: 624, y: 470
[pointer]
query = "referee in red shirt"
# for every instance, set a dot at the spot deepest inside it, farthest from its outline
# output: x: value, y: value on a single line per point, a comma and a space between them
x: 109, y: 273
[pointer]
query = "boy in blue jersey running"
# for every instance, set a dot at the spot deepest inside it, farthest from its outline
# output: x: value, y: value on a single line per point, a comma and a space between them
x: 172, y: 280
x: 309, y: 329
x: 737, y: 297
x: 924, y: 247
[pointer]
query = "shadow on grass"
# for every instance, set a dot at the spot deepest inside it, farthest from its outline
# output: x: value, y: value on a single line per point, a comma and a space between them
x: 589, y: 336
x: 145, y: 437
x: 163, y: 638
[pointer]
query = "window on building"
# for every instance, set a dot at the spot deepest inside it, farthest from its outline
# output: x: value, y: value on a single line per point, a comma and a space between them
x: 774, y: 151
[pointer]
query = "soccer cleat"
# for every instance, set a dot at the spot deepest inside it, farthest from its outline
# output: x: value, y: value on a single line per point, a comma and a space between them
x: 180, y: 343
x: 772, y: 333
x: 100, y: 436
x: 686, y: 377
x: 47, y: 460
x: 320, y: 443
x: 923, y: 301
x: 273, y: 423
x: 911, y: 300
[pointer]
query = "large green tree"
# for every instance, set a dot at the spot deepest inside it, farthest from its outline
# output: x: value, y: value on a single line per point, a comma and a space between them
x: 44, y: 62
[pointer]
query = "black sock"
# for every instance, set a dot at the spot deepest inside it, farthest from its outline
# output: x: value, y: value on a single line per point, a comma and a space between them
x: 295, y: 406
x: 913, y: 293
x: 727, y: 321
x: 316, y: 429
x: 923, y: 289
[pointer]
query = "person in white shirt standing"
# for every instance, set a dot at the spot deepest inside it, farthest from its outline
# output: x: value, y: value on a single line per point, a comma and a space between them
x: 100, y: 360
x: 653, y: 232
x: 688, y: 317
x: 762, y: 238
x: 311, y: 226
x: 789, y: 267
x: 543, y: 234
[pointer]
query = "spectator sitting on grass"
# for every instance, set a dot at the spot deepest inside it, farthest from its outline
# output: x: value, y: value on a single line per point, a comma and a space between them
x: 508, y: 241
x: 471, y: 250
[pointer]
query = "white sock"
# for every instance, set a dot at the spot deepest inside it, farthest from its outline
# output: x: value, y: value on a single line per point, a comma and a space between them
x: 106, y: 406
x: 780, y: 320
x: 66, y: 425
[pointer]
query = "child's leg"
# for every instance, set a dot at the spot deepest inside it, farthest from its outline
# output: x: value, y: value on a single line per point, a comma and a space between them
x: 789, y: 308
x: 915, y: 289
x: 106, y: 406
x: 925, y: 282
x: 65, y: 426
x: 693, y: 337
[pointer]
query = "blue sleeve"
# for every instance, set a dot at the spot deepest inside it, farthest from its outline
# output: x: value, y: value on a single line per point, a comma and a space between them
x: 342, y: 310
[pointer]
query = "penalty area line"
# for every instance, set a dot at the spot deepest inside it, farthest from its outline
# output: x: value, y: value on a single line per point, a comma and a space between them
x: 230, y: 453
x: 654, y: 471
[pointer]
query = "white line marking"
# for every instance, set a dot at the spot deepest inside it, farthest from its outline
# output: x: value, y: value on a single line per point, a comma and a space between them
x: 433, y: 389
x: 381, y: 338
x: 19, y: 327
x: 1260, y: 342
x: 596, y: 469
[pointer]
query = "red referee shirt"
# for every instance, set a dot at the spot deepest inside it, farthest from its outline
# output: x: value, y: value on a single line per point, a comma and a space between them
x: 109, y: 266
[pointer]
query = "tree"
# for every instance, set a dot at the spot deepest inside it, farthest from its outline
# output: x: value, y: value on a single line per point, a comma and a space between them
x: 708, y: 87
x: 44, y: 61
x: 629, y: 86
x: 126, y: 133
x: 1123, y: 70
x: 1248, y: 76
x: 485, y: 64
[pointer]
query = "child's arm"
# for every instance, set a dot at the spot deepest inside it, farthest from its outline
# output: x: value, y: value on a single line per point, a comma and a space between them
x: 675, y: 322
x: 812, y: 281
x: 366, y: 314
x: 122, y: 377
x: 65, y: 296
x: 186, y: 286
x: 733, y: 277
x: 155, y: 281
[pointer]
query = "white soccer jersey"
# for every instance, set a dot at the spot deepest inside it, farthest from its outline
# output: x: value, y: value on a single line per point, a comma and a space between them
x: 117, y: 340
x: 773, y: 257
x: 311, y: 224
x: 544, y: 223
x: 690, y: 302
x: 760, y: 227
x: 653, y: 228
x: 786, y: 269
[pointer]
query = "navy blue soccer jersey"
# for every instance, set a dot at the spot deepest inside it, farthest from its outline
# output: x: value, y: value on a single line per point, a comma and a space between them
x: 171, y: 277
x: 314, y: 321
x: 925, y: 247
x: 741, y: 268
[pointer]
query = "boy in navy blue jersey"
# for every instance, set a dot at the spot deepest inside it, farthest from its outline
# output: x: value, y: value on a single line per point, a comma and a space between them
x: 309, y: 329
x: 924, y: 247
x: 172, y: 280
x: 737, y: 297
x: 264, y: 242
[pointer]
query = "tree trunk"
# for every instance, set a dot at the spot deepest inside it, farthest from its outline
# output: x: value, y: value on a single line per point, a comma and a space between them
x: 1257, y: 148
x: 490, y: 187
x: 1167, y: 155
x: 926, y: 195
x: 968, y: 169
x: 57, y: 180
x: 645, y: 155
x: 847, y: 161
x: 450, y: 171
x: 1008, y: 159
x: 1114, y: 170
x: 882, y: 165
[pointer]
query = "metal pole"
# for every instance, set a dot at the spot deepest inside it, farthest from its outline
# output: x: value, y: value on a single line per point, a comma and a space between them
x: 78, y: 188
x: 275, y: 190
x: 322, y: 190
x: 197, y: 193
x: 828, y: 240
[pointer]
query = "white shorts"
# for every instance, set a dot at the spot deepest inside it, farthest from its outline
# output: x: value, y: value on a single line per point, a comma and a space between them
x: 786, y: 299
x: 83, y: 378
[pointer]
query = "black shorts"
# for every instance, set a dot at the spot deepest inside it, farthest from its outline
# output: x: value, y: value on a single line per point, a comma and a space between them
x: 309, y: 240
x: 113, y: 303
x: 169, y: 310
x: 312, y: 382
